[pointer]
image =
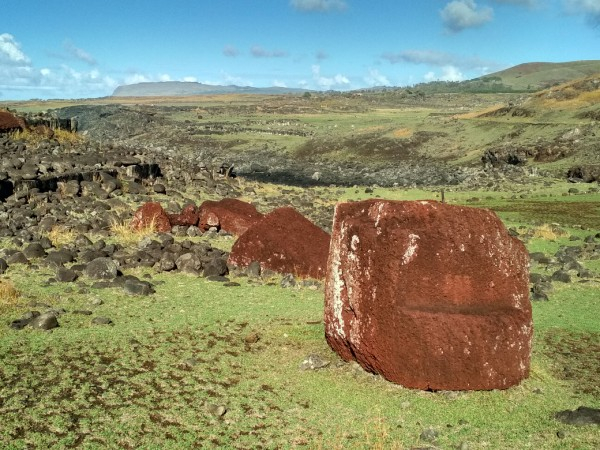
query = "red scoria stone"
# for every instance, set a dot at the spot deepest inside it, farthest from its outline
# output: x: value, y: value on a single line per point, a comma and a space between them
x: 286, y: 242
x: 230, y: 214
x: 429, y: 295
x: 151, y: 213
x: 187, y: 217
x: 9, y: 122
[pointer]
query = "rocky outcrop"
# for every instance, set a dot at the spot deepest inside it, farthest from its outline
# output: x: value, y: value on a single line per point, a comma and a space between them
x: 286, y: 242
x: 431, y: 296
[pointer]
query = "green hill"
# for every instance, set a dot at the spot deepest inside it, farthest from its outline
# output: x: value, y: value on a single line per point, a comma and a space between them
x: 535, y: 76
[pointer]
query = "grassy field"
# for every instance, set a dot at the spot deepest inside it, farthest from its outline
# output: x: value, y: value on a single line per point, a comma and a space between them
x: 202, y: 365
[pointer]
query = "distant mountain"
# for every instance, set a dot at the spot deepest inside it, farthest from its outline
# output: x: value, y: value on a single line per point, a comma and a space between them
x: 535, y: 76
x: 184, y: 88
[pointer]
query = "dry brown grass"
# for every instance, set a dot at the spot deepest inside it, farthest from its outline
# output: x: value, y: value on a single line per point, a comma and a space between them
x: 123, y: 231
x: 9, y: 295
x: 62, y: 136
x: 403, y: 133
x: 548, y: 232
x: 60, y: 235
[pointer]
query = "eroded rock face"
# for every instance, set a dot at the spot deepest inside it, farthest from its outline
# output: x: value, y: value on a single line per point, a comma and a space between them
x: 230, y: 214
x: 429, y: 295
x: 286, y: 242
x: 151, y: 213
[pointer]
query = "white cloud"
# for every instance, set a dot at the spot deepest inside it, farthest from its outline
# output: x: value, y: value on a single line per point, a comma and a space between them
x: 528, y: 3
x: 189, y: 79
x: 279, y: 83
x: 319, y: 5
x: 10, y: 51
x: 258, y: 52
x: 337, y: 81
x: 590, y: 9
x: 449, y: 73
x: 461, y: 14
x: 79, y: 54
x: 164, y: 77
x: 441, y: 59
x: 374, y: 78
x: 231, y: 51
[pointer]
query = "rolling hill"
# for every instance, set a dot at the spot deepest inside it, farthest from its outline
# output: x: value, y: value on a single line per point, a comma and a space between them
x: 183, y: 88
x: 535, y: 76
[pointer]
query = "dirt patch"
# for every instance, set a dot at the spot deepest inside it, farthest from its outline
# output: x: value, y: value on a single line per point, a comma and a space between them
x: 576, y: 358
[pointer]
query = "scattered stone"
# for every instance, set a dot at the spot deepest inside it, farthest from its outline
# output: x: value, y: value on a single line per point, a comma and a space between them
x: 252, y: 338
x: 17, y: 258
x: 3, y: 266
x: 34, y: 250
x: 429, y: 435
x: 83, y: 312
x: 216, y: 410
x: 562, y: 276
x: 45, y: 321
x: 215, y: 267
x: 65, y: 275
x: 137, y: 287
x: 101, y: 321
x: 288, y: 281
x: 314, y: 362
x: 231, y: 284
x: 101, y: 269
x: 580, y: 416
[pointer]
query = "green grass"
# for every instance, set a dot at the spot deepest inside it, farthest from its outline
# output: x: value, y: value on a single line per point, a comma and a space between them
x: 149, y: 381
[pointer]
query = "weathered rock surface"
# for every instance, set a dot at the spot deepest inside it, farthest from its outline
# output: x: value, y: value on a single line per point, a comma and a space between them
x: 151, y: 214
x: 430, y: 296
x: 286, y: 242
x: 231, y: 215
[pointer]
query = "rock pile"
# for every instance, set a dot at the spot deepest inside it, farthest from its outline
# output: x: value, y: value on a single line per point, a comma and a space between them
x: 431, y: 296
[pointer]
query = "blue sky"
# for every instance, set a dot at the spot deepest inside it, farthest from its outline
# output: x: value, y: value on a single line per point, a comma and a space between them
x: 86, y: 48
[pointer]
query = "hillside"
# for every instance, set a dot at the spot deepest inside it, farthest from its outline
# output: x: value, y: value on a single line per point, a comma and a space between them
x: 534, y: 76
x: 182, y: 88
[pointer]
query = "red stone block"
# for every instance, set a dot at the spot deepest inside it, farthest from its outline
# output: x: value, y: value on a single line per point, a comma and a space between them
x: 286, y: 242
x: 187, y: 217
x: 229, y: 214
x: 148, y: 214
x: 429, y: 295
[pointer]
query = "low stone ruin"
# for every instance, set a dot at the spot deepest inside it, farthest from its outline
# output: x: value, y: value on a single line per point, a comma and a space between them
x: 429, y: 295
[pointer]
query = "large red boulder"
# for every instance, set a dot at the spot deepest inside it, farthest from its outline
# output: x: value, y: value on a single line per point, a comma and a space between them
x: 187, y: 217
x: 286, y: 242
x: 429, y: 295
x: 151, y: 214
x: 10, y: 122
x: 229, y: 214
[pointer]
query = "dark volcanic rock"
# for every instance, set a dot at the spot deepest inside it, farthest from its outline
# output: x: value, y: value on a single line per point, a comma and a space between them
x: 429, y: 295
x: 45, y: 321
x: 580, y: 416
x: 101, y: 269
